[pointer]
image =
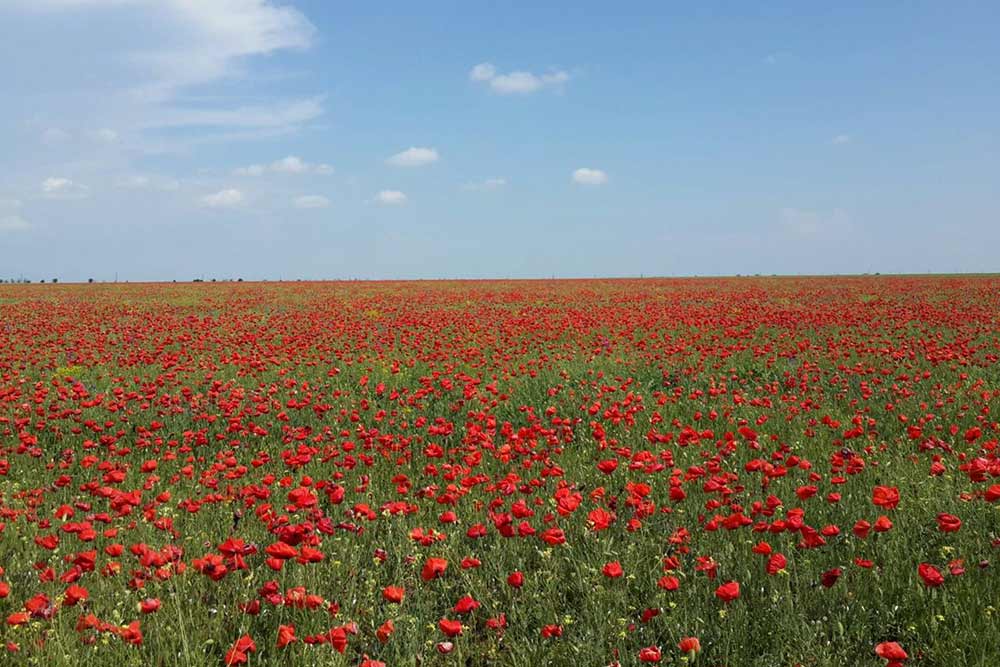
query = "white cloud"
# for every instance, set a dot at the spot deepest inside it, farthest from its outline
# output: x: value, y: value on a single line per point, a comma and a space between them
x: 586, y: 176
x: 841, y: 139
x: 55, y: 184
x: 413, y: 157
x: 162, y: 74
x: 251, y: 170
x: 106, y: 135
x: 228, y: 198
x: 143, y: 182
x: 216, y: 36
x: 286, y: 165
x: 518, y: 82
x: 483, y: 72
x: 311, y: 201
x: 390, y: 197
x: 488, y: 184
x: 13, y: 223
x: 283, y: 115
x: 54, y: 135
x: 515, y: 83
x: 290, y: 165
x: 56, y: 187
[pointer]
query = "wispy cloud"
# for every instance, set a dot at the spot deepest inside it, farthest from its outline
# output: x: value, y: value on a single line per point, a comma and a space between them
x: 485, y: 186
x: 250, y: 170
x: 13, y: 223
x: 414, y: 157
x: 54, y: 136
x: 104, y: 135
x: 185, y: 45
x: 228, y: 198
x: 143, y: 182
x: 286, y: 165
x: 587, y: 176
x: 517, y: 82
x: 290, y: 165
x: 215, y: 37
x: 58, y: 187
x: 390, y: 198
x: 311, y: 201
x: 280, y: 115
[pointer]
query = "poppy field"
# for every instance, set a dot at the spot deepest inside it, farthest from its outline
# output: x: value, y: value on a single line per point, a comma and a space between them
x: 745, y: 471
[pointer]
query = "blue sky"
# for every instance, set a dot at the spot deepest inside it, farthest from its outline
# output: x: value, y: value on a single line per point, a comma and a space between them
x: 171, y: 139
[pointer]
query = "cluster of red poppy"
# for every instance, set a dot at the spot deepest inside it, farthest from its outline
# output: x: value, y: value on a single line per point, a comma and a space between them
x: 502, y: 472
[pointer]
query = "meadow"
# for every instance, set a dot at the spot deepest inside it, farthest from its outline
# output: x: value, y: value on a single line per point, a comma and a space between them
x: 743, y: 471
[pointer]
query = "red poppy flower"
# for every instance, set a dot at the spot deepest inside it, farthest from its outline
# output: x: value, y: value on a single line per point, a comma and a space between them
x: 238, y: 654
x: 882, y: 524
x: 553, y: 536
x: 892, y: 652
x: 149, y: 605
x: 286, y: 635
x: 338, y: 639
x: 829, y: 578
x: 608, y: 466
x: 384, y: 631
x: 948, y: 523
x: 40, y: 606
x: 433, y: 568
x: 931, y: 575
x: 466, y: 605
x: 776, y: 563
x: 552, y: 631
x: 689, y: 645
x: 131, y: 634
x: 394, y: 594
x: 728, y: 591
x: 235, y: 657
x: 450, y: 627
x: 18, y: 618
x: 75, y: 594
x: 281, y: 550
x: 885, y: 496
x: 613, y: 570
x: 600, y: 519
x: 650, y: 654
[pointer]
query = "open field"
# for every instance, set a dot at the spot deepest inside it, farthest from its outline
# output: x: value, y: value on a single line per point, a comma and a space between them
x: 756, y: 471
